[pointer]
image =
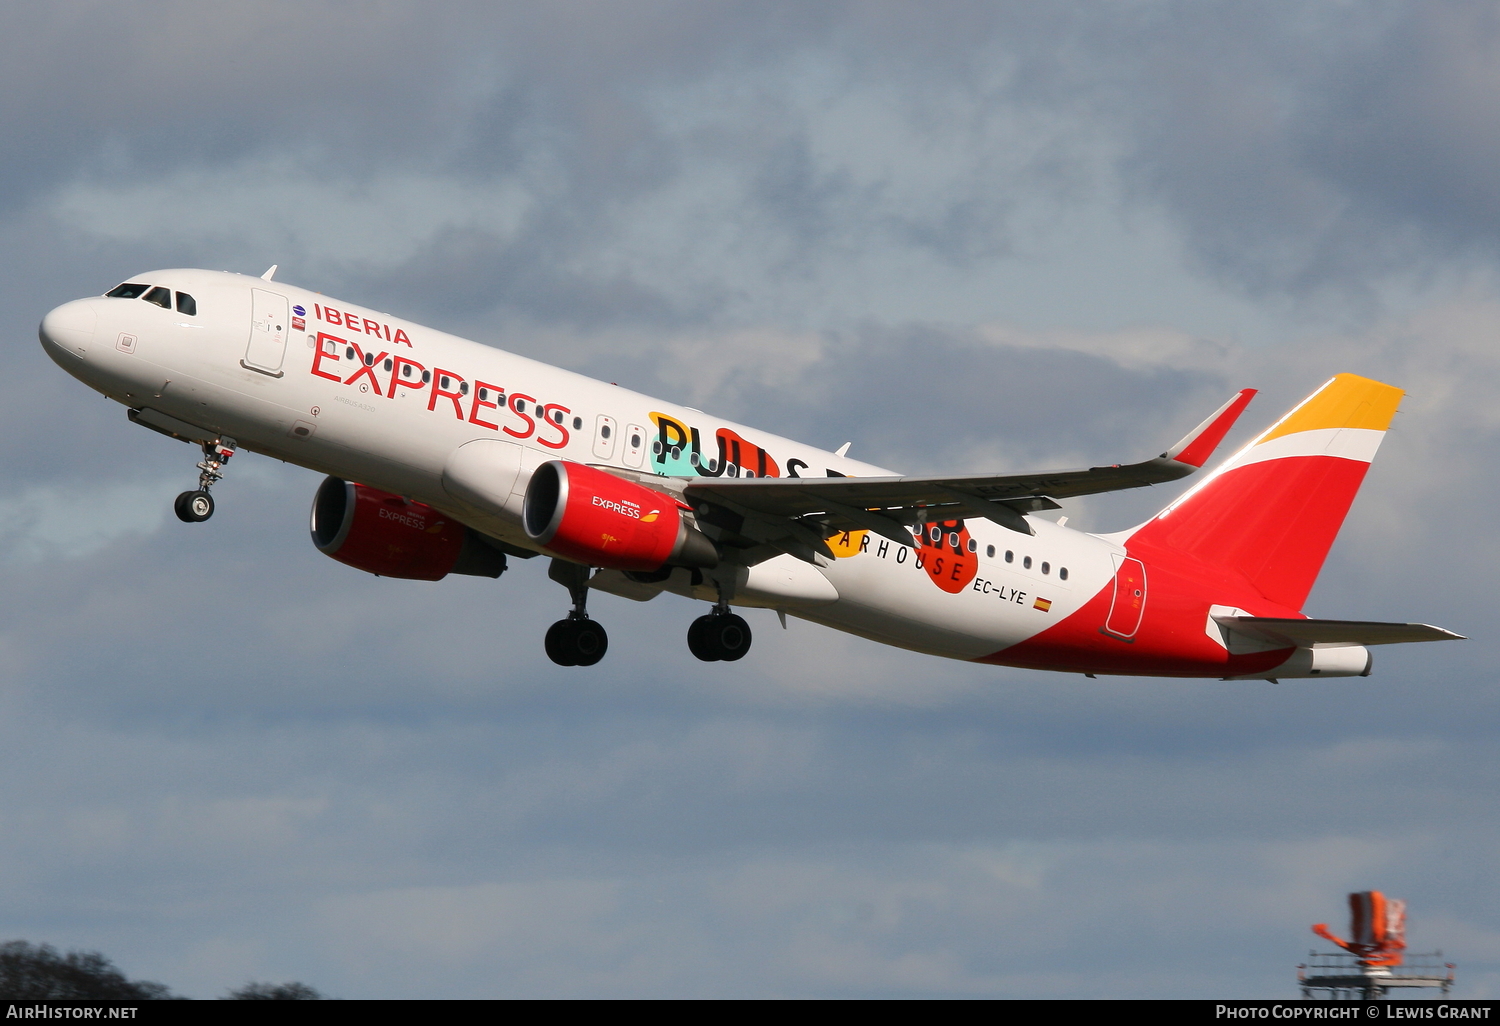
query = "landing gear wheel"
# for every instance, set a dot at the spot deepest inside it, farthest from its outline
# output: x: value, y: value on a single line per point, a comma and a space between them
x: 559, y: 643
x: 719, y: 636
x: 733, y: 637
x: 590, y: 642
x: 700, y: 642
x: 194, y: 507
x: 576, y: 642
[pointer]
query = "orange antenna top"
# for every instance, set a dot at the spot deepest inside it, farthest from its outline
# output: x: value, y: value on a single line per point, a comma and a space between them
x: 1378, y: 928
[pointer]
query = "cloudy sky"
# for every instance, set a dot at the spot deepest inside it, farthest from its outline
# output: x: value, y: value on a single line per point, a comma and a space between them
x: 965, y: 236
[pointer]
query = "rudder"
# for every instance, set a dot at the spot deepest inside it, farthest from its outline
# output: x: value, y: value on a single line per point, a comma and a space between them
x: 1271, y: 511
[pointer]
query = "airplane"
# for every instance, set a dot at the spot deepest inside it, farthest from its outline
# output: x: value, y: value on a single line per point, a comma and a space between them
x: 447, y: 456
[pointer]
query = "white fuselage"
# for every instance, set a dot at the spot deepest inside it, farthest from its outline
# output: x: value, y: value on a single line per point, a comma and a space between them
x: 247, y: 367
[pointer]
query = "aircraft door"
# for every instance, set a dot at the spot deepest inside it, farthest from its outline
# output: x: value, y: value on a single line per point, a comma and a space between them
x: 635, y: 445
x: 1129, y: 602
x: 268, y: 326
x: 604, y: 437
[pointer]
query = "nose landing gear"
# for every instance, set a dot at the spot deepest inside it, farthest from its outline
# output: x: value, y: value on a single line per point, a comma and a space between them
x: 193, y: 507
x: 577, y: 640
x: 196, y: 507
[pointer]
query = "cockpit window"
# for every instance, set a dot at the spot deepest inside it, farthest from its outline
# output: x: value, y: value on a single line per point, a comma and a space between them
x: 186, y: 304
x: 162, y: 297
x: 129, y: 290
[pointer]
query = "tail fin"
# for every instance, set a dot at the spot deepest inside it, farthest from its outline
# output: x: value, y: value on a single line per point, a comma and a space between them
x: 1270, y: 512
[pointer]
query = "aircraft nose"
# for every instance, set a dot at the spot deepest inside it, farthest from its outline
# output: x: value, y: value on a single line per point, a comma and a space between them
x: 70, y: 326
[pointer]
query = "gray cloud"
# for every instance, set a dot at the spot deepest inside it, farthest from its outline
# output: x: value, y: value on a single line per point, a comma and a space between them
x: 963, y: 236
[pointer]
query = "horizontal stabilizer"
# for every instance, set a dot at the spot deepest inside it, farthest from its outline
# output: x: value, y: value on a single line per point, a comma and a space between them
x: 1306, y: 633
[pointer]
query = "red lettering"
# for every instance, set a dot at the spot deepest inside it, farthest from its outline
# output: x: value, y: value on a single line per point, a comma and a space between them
x: 332, y: 316
x: 366, y: 370
x: 481, y: 387
x: 530, y: 424
x: 399, y: 379
x: 387, y: 332
x: 318, y: 310
x: 371, y: 328
x: 438, y: 377
x: 554, y: 422
x: 321, y: 354
x: 401, y: 338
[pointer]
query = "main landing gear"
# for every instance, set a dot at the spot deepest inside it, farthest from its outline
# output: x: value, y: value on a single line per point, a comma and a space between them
x: 577, y: 640
x: 721, y: 635
x: 196, y: 507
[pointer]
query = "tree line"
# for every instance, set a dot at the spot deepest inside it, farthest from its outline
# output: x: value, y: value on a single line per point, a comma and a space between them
x: 38, y: 972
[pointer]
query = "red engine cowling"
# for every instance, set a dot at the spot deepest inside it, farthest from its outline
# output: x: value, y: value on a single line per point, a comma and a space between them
x: 389, y: 536
x: 584, y: 514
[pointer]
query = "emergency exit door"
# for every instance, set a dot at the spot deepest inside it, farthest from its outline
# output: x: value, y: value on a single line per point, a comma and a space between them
x: 268, y: 326
x: 1129, y: 602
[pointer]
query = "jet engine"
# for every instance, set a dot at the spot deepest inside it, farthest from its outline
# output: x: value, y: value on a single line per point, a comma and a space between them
x: 386, y: 535
x: 592, y: 517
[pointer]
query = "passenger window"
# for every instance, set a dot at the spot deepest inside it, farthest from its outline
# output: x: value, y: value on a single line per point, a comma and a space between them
x: 1046, y: 568
x: 577, y: 423
x: 186, y: 304
x: 973, y: 545
x: 463, y: 388
x: 129, y: 290
x: 1010, y: 557
x: 1062, y: 573
x: 159, y: 296
x: 1026, y: 562
x: 989, y: 550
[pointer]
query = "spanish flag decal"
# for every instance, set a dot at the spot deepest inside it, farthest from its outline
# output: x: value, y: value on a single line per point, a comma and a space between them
x: 1045, y: 605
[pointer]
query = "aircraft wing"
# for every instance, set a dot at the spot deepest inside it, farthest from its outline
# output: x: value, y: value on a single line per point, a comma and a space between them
x: 1301, y: 633
x: 885, y: 504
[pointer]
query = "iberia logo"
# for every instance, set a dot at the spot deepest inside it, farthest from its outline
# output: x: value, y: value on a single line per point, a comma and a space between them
x: 650, y: 518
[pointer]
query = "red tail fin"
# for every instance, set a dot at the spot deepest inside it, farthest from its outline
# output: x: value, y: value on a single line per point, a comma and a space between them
x: 1270, y: 512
